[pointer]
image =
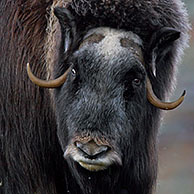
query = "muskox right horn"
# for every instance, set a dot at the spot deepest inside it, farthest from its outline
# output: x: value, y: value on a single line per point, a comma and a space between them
x: 47, y: 84
x: 158, y: 103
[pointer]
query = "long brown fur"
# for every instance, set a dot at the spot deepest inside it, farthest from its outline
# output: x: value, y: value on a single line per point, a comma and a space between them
x: 22, y: 39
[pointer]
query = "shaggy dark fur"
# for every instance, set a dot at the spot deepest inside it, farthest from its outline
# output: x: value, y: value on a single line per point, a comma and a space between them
x: 31, y: 157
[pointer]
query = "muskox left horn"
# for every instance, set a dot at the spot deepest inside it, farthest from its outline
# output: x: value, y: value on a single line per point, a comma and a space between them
x: 47, y: 84
x: 158, y: 103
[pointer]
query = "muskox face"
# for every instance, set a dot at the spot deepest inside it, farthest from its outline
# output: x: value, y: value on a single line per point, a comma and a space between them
x: 101, y: 106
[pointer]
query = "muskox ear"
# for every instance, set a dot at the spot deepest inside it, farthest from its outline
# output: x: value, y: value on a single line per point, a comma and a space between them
x: 160, y: 46
x: 68, y: 26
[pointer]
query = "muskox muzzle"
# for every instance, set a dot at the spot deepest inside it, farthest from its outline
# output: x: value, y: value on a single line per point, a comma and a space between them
x: 93, y: 154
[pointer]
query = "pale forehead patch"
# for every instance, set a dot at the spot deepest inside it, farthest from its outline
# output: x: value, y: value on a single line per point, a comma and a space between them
x: 108, y: 42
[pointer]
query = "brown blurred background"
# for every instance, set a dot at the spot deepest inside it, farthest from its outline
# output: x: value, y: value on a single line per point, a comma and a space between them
x: 176, y: 135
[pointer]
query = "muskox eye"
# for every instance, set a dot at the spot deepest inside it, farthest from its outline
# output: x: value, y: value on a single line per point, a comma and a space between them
x: 73, y: 73
x: 136, y: 82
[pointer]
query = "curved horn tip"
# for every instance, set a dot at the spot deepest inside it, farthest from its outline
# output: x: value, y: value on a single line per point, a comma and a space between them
x: 152, y: 98
x: 184, y: 93
x: 28, y: 66
x: 178, y: 102
x: 50, y: 83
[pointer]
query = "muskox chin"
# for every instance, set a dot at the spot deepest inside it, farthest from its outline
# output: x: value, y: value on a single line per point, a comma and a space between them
x: 98, y: 182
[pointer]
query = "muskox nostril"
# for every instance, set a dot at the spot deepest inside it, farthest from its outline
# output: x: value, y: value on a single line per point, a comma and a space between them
x: 91, y: 150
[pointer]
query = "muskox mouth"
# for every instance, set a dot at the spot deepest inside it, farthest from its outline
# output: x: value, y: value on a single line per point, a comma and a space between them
x: 94, y: 165
x: 92, y: 156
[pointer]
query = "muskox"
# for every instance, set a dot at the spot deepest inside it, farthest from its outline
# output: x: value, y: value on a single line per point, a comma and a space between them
x: 111, y: 65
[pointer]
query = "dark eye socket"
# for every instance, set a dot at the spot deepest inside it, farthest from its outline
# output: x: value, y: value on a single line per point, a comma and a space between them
x: 134, y: 79
x: 136, y: 82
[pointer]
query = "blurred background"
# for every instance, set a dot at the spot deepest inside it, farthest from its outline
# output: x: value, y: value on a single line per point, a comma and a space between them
x: 176, y: 135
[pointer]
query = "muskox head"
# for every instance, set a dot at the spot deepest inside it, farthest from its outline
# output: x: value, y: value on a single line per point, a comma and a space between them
x: 104, y: 98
